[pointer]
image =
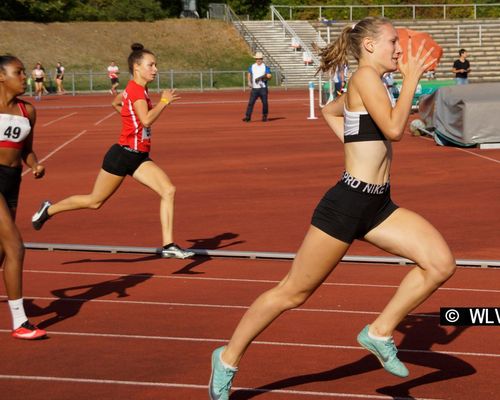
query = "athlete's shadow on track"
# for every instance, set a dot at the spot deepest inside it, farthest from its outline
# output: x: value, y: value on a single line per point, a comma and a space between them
x: 212, y: 243
x: 68, y: 305
x: 420, y: 334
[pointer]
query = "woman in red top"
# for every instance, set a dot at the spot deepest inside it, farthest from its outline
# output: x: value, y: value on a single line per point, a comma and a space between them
x: 130, y: 156
x: 17, y: 121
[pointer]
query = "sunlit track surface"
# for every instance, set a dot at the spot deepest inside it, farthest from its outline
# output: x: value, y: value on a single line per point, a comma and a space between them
x: 134, y: 326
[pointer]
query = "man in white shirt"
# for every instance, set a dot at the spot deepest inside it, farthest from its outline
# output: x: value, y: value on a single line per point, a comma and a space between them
x: 258, y: 75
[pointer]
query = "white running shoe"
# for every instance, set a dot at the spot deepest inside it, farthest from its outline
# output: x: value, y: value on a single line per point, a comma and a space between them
x: 174, y: 251
x: 41, y: 216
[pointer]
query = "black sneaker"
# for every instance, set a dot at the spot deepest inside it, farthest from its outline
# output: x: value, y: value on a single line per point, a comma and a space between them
x: 41, y: 216
x: 264, y: 118
x: 173, y: 251
x: 246, y: 119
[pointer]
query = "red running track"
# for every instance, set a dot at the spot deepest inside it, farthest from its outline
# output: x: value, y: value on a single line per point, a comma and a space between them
x: 139, y: 327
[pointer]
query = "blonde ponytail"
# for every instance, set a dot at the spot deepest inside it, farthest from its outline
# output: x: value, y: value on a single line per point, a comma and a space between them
x: 335, y: 54
x: 349, y: 43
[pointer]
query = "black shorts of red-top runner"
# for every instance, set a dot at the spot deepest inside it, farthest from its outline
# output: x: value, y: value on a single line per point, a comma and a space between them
x: 10, y: 182
x: 352, y: 208
x: 122, y: 160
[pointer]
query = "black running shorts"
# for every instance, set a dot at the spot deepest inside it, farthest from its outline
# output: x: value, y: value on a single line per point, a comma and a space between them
x: 123, y: 161
x: 10, y: 182
x: 352, y: 208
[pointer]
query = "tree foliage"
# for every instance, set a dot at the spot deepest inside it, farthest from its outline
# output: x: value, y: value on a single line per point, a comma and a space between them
x: 149, y: 10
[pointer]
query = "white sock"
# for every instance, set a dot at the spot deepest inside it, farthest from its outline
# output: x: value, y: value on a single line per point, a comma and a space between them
x: 378, y: 337
x: 17, y: 311
x: 226, y: 365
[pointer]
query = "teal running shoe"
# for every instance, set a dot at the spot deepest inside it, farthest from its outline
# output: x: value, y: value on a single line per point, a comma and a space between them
x: 221, y: 378
x: 385, y: 351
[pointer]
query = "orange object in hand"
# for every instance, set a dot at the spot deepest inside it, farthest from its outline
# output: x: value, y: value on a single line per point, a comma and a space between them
x: 416, y: 39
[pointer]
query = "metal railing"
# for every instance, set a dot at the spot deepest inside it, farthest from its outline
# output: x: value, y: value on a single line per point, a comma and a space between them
x: 252, y: 41
x: 98, y: 82
x: 287, y: 29
x: 479, y: 27
x: 383, y: 8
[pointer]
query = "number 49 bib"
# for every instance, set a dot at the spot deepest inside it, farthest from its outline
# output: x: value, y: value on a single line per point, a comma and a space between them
x: 14, y: 128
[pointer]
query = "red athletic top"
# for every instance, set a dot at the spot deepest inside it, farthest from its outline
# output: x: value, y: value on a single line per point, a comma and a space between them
x: 14, y: 129
x: 133, y: 134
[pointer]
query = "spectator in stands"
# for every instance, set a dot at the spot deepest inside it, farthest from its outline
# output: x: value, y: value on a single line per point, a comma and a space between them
x: 461, y: 68
x: 430, y: 75
x: 258, y: 75
x: 307, y: 58
x: 296, y: 44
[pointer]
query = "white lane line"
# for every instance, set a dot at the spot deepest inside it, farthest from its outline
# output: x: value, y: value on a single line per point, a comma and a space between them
x: 203, y: 387
x: 59, y: 119
x: 466, y: 151
x: 478, y: 155
x: 105, y: 118
x: 256, y: 342
x: 63, y: 145
x: 177, y: 103
x: 205, y: 305
x: 246, y: 280
x: 57, y: 149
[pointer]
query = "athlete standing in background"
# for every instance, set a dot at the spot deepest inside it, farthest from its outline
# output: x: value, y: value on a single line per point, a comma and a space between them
x: 113, y: 72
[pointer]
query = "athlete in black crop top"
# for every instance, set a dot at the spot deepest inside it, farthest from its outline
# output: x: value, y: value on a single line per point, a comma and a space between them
x: 362, y: 129
x: 17, y: 121
x: 359, y: 206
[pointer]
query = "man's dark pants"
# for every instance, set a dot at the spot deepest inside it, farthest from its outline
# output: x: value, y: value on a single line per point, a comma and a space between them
x: 254, y: 95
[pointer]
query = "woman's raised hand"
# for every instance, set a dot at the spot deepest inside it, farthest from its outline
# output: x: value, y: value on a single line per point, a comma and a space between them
x: 170, y: 96
x: 417, y: 63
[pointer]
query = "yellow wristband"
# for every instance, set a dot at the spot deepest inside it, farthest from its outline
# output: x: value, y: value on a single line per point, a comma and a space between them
x: 164, y: 100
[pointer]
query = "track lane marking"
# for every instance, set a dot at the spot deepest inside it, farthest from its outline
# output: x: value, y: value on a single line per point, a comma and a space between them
x: 465, y: 151
x: 58, y: 119
x: 57, y: 149
x: 241, y: 280
x: 256, y: 342
x: 177, y: 103
x: 105, y: 118
x: 203, y: 387
x: 206, y: 305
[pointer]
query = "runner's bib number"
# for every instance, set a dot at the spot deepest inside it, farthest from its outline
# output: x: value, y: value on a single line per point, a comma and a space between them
x: 146, y: 133
x: 14, y: 128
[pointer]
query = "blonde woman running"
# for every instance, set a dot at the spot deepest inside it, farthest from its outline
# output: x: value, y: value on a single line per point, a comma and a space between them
x: 359, y: 206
